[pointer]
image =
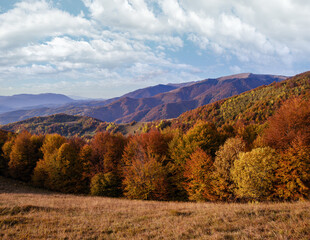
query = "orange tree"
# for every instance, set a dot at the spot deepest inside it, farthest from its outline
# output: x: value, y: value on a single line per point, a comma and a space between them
x: 144, y: 166
x: 25, y: 153
x: 203, y: 135
x: 197, y: 175
x: 293, y: 174
x: 290, y: 121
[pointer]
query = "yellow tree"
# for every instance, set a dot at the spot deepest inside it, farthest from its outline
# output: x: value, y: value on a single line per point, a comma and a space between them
x: 50, y: 147
x: 254, y: 173
x: 202, y: 135
x: 224, y: 160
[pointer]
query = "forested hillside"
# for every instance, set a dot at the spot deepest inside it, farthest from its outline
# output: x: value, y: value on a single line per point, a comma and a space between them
x: 252, y: 107
x: 255, y: 146
x: 63, y: 124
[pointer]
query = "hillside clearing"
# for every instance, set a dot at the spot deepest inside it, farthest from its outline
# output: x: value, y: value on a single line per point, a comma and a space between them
x: 28, y: 213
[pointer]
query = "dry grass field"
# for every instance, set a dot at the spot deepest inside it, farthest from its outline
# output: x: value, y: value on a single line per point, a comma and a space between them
x: 28, y: 213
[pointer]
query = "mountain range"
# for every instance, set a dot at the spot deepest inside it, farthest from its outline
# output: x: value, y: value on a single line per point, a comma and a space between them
x: 251, y: 107
x: 147, y: 104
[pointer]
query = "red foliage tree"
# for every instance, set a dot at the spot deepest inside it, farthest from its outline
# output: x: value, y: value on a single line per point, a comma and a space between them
x: 292, y: 120
x: 106, y: 152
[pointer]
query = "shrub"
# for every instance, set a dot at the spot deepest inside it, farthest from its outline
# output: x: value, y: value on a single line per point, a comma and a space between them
x: 105, y: 185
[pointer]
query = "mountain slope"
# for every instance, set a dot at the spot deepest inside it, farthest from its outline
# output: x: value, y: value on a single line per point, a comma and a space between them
x: 169, y: 104
x: 150, y: 91
x: 253, y: 106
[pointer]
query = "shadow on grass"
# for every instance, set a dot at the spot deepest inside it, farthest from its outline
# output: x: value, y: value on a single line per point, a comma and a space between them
x: 8, y: 185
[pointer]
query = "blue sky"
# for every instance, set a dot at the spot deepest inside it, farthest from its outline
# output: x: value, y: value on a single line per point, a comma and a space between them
x: 105, y: 48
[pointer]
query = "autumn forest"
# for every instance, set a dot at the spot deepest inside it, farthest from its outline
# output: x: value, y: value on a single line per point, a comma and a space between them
x: 251, y: 147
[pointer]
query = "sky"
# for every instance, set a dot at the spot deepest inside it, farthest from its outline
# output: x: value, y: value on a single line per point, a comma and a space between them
x: 105, y: 48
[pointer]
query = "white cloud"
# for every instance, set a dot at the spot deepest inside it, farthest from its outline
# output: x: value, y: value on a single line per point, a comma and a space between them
x: 142, y: 40
x: 123, y: 14
x: 31, y: 21
x: 224, y: 27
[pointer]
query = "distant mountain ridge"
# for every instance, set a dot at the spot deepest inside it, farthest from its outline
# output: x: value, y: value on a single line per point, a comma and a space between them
x: 173, y: 103
x: 44, y: 107
x: 154, y: 103
x: 24, y: 101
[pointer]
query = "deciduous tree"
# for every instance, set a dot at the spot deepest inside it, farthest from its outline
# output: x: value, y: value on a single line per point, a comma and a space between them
x: 254, y: 173
x: 293, y: 174
x: 198, y: 176
x: 224, y: 160
x: 292, y: 120
x: 24, y: 155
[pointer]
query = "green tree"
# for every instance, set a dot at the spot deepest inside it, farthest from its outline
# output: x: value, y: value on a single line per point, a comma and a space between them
x: 6, y: 144
x: 63, y: 170
x: 202, y: 135
x: 104, y: 184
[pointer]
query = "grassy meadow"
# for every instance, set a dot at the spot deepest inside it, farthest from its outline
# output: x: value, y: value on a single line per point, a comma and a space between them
x: 28, y: 213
